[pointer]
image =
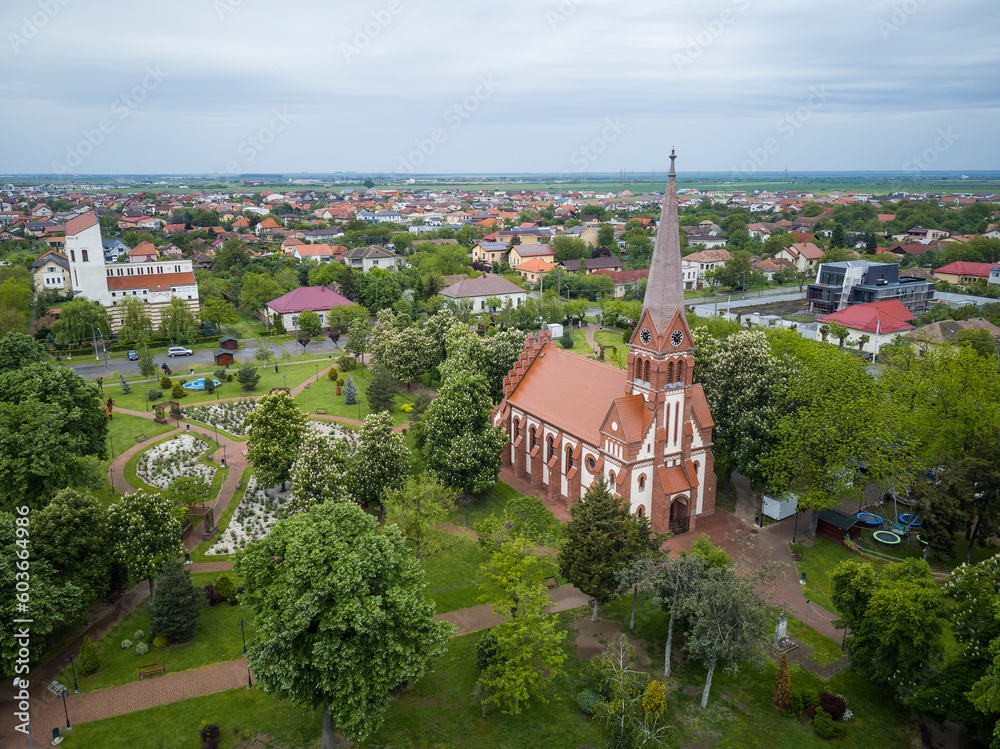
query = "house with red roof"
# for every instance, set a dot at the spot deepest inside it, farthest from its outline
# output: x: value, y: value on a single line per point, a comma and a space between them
x: 964, y: 272
x: 144, y: 252
x: 318, y: 299
x: 880, y: 322
x: 803, y: 255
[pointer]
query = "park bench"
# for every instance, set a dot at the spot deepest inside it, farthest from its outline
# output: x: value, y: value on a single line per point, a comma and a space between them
x: 550, y: 582
x: 140, y: 438
x: 151, y: 669
x: 321, y: 410
x: 115, y: 595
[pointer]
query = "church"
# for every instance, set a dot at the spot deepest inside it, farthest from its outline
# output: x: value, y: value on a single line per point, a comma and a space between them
x: 647, y: 430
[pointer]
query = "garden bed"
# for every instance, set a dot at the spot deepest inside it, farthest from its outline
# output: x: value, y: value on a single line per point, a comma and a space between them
x: 228, y: 416
x: 174, y: 458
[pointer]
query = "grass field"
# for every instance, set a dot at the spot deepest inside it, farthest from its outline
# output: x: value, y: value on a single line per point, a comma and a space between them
x: 217, y: 639
x: 122, y: 430
x: 323, y: 394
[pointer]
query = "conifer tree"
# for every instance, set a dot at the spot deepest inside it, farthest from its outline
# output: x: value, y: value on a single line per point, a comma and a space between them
x: 90, y: 657
x: 350, y: 392
x: 782, y: 685
x: 178, y: 605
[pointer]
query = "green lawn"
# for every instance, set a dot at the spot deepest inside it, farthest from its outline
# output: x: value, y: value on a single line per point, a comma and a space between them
x: 490, y: 502
x: 818, y: 562
x: 451, y: 574
x: 323, y: 394
x: 123, y: 430
x: 239, y: 713
x: 217, y: 639
x: 580, y: 345
x: 825, y: 650
x: 611, y: 338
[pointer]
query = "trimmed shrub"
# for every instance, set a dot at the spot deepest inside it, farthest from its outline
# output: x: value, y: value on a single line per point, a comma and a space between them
x: 127, y: 643
x: 160, y: 641
x: 224, y: 587
x: 229, y: 377
x: 209, y: 385
x: 211, y: 595
x: 332, y: 374
x: 588, y: 700
x: 178, y: 391
x: 825, y: 727
x: 90, y: 657
x: 832, y: 704
x: 566, y: 339
x: 141, y: 648
x: 138, y: 635
x: 220, y: 375
x: 165, y: 383
x: 154, y: 394
x: 627, y: 335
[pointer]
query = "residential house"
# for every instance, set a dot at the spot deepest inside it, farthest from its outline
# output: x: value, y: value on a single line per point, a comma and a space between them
x: 853, y: 282
x: 924, y: 235
x: 946, y: 331
x: 880, y: 321
x: 707, y: 260
x: 323, y: 253
x: 323, y: 235
x: 626, y: 281
x: 994, y: 278
x: 964, y: 272
x: 522, y: 252
x: 803, y: 255
x: 51, y: 271
x: 533, y: 269
x: 374, y: 256
x: 144, y: 252
x: 267, y: 226
x: 593, y: 264
x: 707, y: 242
x: 475, y: 291
x: 490, y: 252
x: 587, y: 233
x: 769, y: 266
x: 318, y: 299
x: 113, y: 248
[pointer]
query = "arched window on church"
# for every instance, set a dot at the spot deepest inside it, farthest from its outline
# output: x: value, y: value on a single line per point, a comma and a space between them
x: 641, y: 511
x: 645, y: 376
x: 680, y: 371
x: 642, y: 483
x: 670, y: 372
x: 517, y: 428
x: 534, y: 438
x: 569, y: 458
x: 552, y: 447
x: 611, y: 480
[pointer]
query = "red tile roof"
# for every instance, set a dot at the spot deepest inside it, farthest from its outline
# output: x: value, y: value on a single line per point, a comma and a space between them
x: 877, y: 317
x: 967, y: 268
x: 569, y: 391
x: 153, y: 282
x: 78, y: 224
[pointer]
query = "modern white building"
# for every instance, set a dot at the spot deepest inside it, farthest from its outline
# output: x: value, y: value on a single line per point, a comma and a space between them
x: 155, y: 283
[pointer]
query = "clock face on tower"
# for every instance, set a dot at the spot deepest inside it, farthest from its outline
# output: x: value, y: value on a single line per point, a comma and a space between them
x: 645, y: 336
x: 677, y: 337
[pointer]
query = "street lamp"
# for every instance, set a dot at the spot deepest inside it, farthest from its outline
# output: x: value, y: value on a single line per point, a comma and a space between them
x: 223, y: 455
x: 72, y: 659
x: 145, y: 397
x: 242, y: 624
x: 60, y: 691
x: 317, y: 372
x: 112, y: 441
x: 111, y: 470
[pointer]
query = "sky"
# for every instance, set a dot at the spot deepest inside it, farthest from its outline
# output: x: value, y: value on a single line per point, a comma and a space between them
x: 540, y: 86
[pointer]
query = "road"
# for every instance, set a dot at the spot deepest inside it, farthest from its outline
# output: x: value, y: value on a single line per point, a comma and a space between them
x: 86, y: 367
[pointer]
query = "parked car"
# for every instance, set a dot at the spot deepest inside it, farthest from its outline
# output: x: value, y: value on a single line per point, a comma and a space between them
x: 179, y: 351
x: 133, y: 355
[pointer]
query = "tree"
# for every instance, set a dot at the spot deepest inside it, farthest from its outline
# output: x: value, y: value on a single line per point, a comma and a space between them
x: 177, y: 322
x: 187, y: 490
x: 569, y: 248
x: 263, y: 353
x: 601, y: 539
x: 178, y: 605
x: 727, y: 622
x: 52, y: 432
x: 147, y: 367
x: 743, y: 381
x: 528, y: 652
x: 606, y: 237
x: 136, y: 323
x: 358, y: 332
x: 330, y: 590
x: 350, y: 391
x: 320, y: 471
x: 631, y: 713
x: 836, y: 255
x: 380, y: 463
x: 462, y: 446
x: 274, y: 433
x: 895, y: 618
x: 782, y: 696
x: 72, y: 534
x: 81, y: 320
x: 18, y: 350
x: 838, y: 237
x: 256, y: 290
x: 381, y: 392
x: 248, y: 376
x: 218, y: 311
x: 12, y: 321
x: 839, y: 332
x: 146, y: 534
x: 417, y: 509
x: 310, y: 324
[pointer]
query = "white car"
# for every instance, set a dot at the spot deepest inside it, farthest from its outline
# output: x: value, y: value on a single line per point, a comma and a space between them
x: 179, y: 351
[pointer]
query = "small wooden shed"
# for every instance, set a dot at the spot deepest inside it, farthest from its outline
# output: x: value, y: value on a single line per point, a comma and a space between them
x: 229, y: 343
x: 223, y: 357
x: 836, y: 526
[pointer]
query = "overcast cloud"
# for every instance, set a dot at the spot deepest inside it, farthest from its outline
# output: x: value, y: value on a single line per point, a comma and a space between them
x: 516, y: 86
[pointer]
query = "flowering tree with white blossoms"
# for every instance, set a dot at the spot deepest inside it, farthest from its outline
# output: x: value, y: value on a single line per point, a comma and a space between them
x: 405, y: 350
x: 147, y: 534
x: 381, y: 462
x: 275, y: 430
x: 320, y: 473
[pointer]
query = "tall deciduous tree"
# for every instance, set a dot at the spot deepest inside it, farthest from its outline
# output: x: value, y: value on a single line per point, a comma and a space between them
x: 19, y: 350
x: 136, y: 323
x: 81, y: 320
x: 177, y: 322
x: 601, y: 539
x: 274, y: 434
x: 146, y: 534
x: 358, y: 333
x: 462, y: 447
x: 381, y: 391
x: 417, y: 509
x: 218, y: 311
x: 528, y: 653
x: 320, y: 471
x: 380, y: 463
x: 309, y: 323
x: 329, y: 591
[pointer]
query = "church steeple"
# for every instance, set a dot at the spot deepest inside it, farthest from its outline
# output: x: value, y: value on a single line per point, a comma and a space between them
x: 665, y: 285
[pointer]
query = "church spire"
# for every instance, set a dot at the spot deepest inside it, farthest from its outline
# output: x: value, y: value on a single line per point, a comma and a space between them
x: 665, y: 285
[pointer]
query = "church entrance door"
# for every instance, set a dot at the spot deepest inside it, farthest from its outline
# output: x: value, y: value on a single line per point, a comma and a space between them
x: 679, y: 517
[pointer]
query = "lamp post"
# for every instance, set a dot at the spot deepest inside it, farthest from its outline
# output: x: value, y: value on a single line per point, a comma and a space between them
x: 317, y: 372
x: 60, y: 691
x: 216, y: 425
x: 112, y: 441
x: 795, y: 530
x: 146, y: 399
x: 242, y: 624
x: 223, y: 455
x: 111, y: 470
x: 72, y: 659
x: 284, y: 379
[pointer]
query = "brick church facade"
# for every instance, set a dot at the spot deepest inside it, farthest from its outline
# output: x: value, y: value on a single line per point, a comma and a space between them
x: 647, y: 430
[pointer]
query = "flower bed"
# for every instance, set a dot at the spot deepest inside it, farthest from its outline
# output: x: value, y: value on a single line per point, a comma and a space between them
x: 172, y: 459
x: 256, y: 515
x: 228, y: 416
